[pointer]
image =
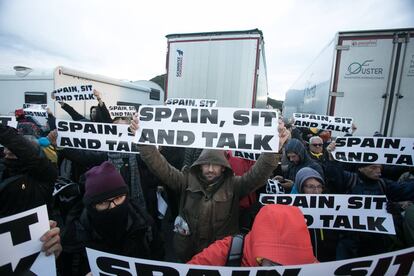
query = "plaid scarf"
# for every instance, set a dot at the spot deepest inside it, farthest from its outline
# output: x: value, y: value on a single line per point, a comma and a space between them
x: 134, y: 182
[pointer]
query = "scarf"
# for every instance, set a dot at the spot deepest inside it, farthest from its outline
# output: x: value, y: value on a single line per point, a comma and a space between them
x: 317, y: 155
x: 134, y: 181
x: 211, y: 188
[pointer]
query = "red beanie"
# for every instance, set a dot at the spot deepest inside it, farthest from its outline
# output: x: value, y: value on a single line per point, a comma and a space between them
x: 19, y: 112
x: 103, y: 182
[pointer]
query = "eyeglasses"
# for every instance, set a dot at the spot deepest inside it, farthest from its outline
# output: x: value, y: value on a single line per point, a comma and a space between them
x: 317, y: 145
x: 313, y: 187
x: 106, y: 204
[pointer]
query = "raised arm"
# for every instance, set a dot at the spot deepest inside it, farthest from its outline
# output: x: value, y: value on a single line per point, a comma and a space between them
x: 102, y: 112
x: 158, y: 165
x: 261, y: 170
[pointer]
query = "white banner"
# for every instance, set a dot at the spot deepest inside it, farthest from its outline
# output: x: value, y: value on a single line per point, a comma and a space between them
x: 375, y: 150
x: 35, y: 106
x: 339, y: 212
x: 74, y: 93
x: 342, y: 124
x: 95, y: 136
x: 192, y: 102
x: 214, y: 128
x: 8, y: 121
x: 37, y: 113
x: 393, y: 263
x: 122, y: 110
x: 252, y: 156
x: 21, y: 246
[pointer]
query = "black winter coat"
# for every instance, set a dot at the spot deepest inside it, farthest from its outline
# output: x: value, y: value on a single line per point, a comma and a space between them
x: 28, y: 181
x: 79, y: 234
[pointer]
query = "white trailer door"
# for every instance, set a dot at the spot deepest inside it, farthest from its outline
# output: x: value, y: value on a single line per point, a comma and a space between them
x: 217, y: 68
x: 361, y: 79
x: 401, y: 121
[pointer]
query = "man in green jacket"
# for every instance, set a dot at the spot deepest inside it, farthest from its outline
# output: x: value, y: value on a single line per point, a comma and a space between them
x: 210, y: 193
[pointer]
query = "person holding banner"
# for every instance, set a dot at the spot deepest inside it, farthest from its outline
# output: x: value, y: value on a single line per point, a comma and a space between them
x: 97, y: 113
x: 108, y: 221
x: 27, y: 175
x: 209, y: 192
x: 324, y: 241
x: 366, y: 181
x: 298, y: 158
x: 279, y: 236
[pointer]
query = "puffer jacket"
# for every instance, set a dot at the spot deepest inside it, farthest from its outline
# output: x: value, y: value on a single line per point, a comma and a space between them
x: 209, y: 215
x: 26, y: 182
x: 279, y: 234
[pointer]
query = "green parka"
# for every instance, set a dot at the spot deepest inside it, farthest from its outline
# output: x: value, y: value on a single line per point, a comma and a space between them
x: 213, y: 214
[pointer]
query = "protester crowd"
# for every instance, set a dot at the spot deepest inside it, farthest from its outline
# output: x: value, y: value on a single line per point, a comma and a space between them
x: 108, y: 201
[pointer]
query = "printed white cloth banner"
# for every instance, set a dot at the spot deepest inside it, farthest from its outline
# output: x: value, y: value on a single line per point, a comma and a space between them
x: 393, y: 263
x: 36, y: 106
x: 37, y: 112
x: 74, y: 93
x: 8, y: 121
x: 339, y: 212
x: 342, y: 124
x: 214, y: 128
x: 192, y: 102
x: 95, y: 136
x: 375, y: 150
x: 21, y: 246
x: 252, y: 156
x: 122, y: 110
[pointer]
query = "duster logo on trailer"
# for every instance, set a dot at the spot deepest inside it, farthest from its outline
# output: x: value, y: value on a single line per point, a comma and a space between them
x: 364, y: 43
x: 364, y: 70
x: 180, y: 55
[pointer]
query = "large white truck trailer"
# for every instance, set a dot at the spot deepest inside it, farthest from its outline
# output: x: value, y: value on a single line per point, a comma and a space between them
x: 367, y: 75
x: 229, y: 67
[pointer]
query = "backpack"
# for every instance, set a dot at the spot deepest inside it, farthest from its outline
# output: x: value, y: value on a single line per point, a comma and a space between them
x: 235, y: 254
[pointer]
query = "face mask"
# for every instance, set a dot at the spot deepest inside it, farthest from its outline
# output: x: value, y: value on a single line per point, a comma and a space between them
x: 111, y: 223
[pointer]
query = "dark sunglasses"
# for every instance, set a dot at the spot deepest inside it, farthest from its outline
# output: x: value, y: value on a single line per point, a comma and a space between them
x: 317, y: 145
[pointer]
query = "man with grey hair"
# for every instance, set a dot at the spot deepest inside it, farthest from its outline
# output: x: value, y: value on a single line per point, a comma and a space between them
x: 317, y: 151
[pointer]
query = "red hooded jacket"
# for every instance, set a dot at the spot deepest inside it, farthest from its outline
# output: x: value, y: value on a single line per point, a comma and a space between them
x: 279, y: 234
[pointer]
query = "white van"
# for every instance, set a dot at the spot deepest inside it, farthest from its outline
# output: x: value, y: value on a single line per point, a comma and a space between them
x: 25, y: 85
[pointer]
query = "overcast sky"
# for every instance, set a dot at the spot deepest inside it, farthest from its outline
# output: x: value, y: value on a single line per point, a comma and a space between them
x: 126, y: 38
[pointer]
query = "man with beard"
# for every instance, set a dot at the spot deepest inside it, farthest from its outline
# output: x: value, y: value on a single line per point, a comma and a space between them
x: 209, y: 194
x: 367, y: 180
x: 108, y: 222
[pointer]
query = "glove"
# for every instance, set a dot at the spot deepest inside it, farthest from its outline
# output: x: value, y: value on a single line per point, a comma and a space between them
x: 394, y: 208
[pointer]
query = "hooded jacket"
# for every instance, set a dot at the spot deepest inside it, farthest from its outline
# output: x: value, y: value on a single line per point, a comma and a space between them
x: 26, y: 182
x: 324, y: 241
x: 302, y: 175
x: 211, y: 213
x: 296, y: 146
x: 279, y: 234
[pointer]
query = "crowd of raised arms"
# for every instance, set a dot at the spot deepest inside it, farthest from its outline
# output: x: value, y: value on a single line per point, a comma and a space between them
x: 108, y: 201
